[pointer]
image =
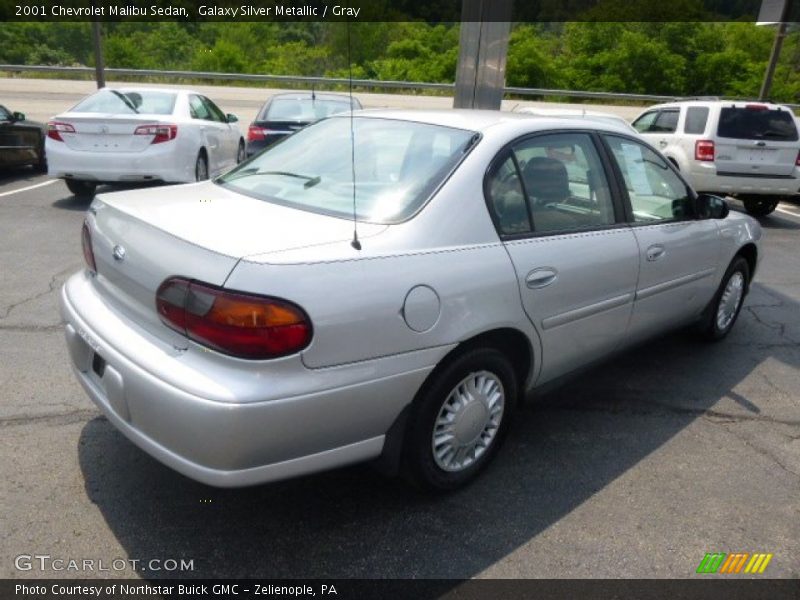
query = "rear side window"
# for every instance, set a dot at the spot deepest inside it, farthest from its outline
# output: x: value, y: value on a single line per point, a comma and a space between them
x: 696, y: 118
x: 667, y: 122
x: 757, y: 123
x: 128, y: 102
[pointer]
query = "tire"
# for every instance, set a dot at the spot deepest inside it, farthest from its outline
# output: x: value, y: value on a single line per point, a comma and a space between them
x: 240, y: 153
x: 81, y: 189
x: 720, y: 316
x: 476, y: 427
x: 201, y: 167
x: 760, y: 206
x: 40, y: 166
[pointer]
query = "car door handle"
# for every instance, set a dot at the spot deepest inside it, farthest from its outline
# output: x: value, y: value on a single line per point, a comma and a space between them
x: 542, y: 277
x: 655, y: 252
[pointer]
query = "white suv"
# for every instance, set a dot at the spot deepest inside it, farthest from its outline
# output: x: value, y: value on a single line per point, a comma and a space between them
x: 750, y: 150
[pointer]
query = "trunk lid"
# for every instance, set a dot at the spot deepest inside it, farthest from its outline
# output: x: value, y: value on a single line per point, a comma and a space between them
x: 198, y: 231
x: 99, y: 132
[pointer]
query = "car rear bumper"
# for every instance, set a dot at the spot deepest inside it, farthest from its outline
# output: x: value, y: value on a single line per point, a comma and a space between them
x: 339, y: 416
x: 153, y: 164
x: 709, y: 180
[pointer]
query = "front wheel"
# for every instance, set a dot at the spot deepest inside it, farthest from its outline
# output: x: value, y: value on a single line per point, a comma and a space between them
x: 724, y: 309
x: 459, y: 420
x: 81, y: 189
x: 760, y: 206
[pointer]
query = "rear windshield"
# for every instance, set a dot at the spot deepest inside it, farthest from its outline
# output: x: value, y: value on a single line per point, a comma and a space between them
x: 757, y: 124
x: 398, y: 165
x: 128, y: 102
x: 305, y: 109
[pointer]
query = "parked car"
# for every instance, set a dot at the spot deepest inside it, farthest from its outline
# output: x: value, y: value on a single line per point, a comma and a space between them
x: 750, y: 150
x: 21, y: 141
x: 253, y: 337
x: 572, y: 113
x: 141, y: 134
x: 283, y: 114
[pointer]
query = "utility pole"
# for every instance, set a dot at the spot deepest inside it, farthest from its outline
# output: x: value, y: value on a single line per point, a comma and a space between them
x: 482, y: 51
x: 99, y: 61
x: 780, y: 33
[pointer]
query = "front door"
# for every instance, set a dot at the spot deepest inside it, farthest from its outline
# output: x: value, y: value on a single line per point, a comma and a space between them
x: 679, y: 253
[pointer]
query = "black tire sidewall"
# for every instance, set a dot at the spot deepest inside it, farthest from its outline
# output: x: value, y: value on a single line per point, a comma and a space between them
x: 760, y: 206
x: 712, y: 331
x: 80, y: 189
x: 419, y: 463
x: 200, y: 158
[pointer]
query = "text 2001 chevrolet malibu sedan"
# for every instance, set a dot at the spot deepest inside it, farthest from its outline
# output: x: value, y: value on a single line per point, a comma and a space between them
x: 235, y: 331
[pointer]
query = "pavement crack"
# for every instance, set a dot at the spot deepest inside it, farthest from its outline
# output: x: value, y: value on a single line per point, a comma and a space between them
x: 55, y: 281
x: 64, y: 418
x: 715, y: 415
x: 763, y: 452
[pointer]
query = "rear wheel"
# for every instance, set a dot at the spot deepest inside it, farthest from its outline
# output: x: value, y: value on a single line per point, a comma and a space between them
x: 240, y: 153
x: 724, y: 309
x: 201, y: 167
x: 760, y: 206
x: 81, y: 189
x: 41, y: 164
x: 459, y: 420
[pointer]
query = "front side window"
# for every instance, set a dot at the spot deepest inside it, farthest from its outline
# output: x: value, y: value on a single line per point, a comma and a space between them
x: 550, y: 183
x: 4, y: 114
x: 214, y: 111
x: 656, y: 192
x: 394, y: 166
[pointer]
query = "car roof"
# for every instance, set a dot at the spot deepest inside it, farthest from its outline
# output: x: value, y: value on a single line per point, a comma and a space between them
x: 484, y: 120
x: 714, y: 102
x: 305, y: 95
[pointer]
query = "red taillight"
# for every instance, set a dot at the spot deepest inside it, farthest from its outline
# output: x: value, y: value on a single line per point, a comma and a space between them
x: 756, y: 107
x: 55, y: 129
x: 86, y: 242
x: 160, y: 133
x: 255, y: 133
x: 235, y: 323
x: 797, y: 160
x: 704, y: 150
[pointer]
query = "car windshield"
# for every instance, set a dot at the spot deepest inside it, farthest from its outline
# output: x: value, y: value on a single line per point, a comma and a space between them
x: 306, y: 109
x: 128, y: 102
x: 757, y: 124
x: 397, y: 167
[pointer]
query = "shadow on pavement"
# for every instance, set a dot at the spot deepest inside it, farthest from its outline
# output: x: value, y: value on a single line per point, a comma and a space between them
x: 355, y: 523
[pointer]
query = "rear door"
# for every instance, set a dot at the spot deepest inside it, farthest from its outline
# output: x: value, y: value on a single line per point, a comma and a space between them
x: 756, y: 140
x: 213, y: 133
x: 576, y: 262
x: 679, y: 254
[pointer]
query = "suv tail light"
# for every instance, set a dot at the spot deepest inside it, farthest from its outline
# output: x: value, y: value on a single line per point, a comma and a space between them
x: 161, y: 133
x: 704, y: 150
x: 234, y: 323
x: 756, y: 107
x: 55, y: 129
x: 797, y: 161
x: 86, y: 242
x: 255, y: 133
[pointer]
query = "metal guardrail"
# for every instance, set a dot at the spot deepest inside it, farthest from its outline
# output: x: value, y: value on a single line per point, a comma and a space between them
x: 332, y: 81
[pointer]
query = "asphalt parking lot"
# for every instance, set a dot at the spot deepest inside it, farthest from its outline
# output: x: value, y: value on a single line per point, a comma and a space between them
x: 634, y: 469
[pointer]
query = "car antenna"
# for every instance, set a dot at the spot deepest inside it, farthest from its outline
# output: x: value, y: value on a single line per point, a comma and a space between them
x: 354, y: 243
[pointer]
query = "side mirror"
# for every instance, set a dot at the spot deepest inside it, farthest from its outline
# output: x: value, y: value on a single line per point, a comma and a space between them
x: 232, y: 118
x: 711, y: 207
x: 18, y: 116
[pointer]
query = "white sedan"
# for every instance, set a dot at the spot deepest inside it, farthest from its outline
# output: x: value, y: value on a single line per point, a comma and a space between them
x: 141, y: 134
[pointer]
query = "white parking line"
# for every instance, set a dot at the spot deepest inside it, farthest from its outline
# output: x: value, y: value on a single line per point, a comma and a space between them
x: 787, y: 212
x: 30, y: 187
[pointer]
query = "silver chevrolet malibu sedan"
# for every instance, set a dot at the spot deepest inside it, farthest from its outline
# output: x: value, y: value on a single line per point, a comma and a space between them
x: 389, y: 285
